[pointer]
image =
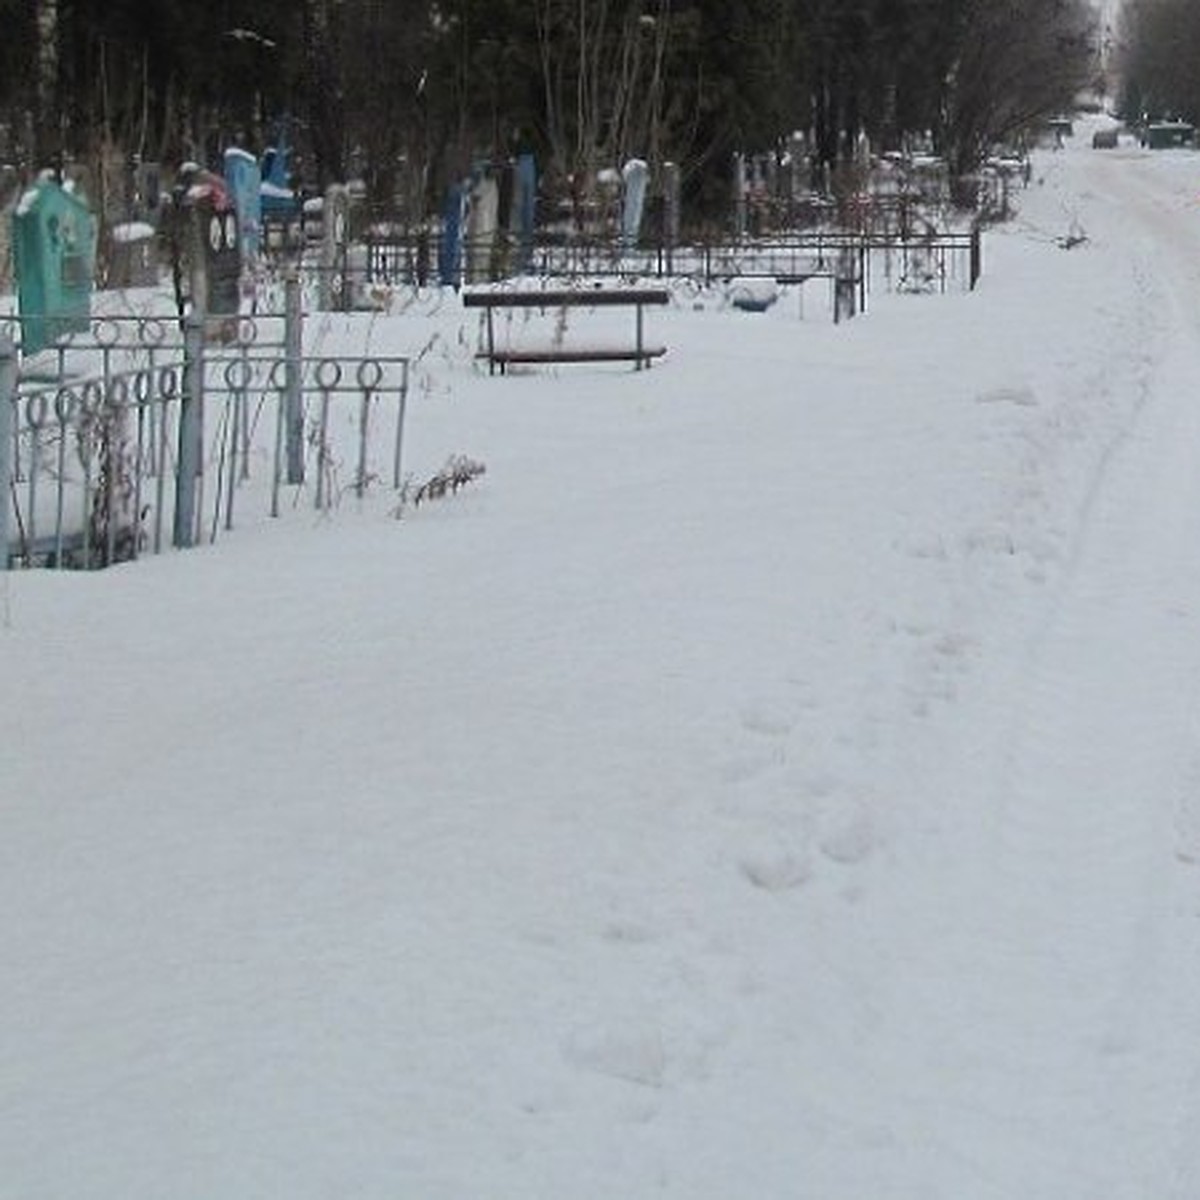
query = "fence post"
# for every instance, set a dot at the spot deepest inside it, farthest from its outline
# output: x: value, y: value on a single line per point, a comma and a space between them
x: 845, y: 286
x: 293, y: 340
x: 976, y: 255
x: 8, y: 387
x: 191, y: 430
x: 400, y: 426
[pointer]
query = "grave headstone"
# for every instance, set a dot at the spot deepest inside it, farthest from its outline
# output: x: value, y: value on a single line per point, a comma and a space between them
x: 54, y: 254
x: 506, y: 187
x: 524, y: 209
x: 740, y: 189
x: 214, y: 260
x: 482, y: 219
x: 450, y: 250
x: 671, y: 195
x: 147, y: 191
x: 634, y: 176
x: 132, y: 255
x: 243, y: 178
x: 279, y: 200
x: 335, y: 237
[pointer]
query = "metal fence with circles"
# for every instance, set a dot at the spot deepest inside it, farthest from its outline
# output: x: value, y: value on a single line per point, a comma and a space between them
x: 94, y: 462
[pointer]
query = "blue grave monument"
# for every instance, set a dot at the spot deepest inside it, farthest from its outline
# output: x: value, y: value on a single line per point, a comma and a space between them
x: 243, y: 178
x: 279, y: 199
x: 524, y: 209
x: 450, y: 250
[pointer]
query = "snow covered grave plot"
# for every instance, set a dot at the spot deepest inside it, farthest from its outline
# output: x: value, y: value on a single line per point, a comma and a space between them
x: 157, y: 440
x: 923, y: 260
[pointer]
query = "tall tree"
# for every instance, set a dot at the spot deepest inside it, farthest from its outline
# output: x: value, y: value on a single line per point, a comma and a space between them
x: 47, y: 144
x: 1017, y: 62
x: 1160, y: 46
x: 428, y: 87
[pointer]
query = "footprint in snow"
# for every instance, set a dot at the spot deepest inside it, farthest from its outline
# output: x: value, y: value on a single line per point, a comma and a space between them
x: 745, y: 767
x: 633, y: 1051
x: 851, y: 840
x: 776, y: 870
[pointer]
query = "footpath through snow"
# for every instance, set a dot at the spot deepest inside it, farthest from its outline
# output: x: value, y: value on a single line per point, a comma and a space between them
x: 1059, y: 978
x: 779, y: 776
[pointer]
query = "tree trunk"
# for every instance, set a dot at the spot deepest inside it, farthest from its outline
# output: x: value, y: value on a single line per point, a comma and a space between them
x: 322, y: 67
x: 47, y: 148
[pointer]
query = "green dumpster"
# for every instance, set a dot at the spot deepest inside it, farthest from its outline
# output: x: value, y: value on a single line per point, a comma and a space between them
x: 54, y: 253
x: 1169, y: 135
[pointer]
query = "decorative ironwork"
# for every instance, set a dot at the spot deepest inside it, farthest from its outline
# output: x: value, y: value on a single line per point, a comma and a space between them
x: 95, y: 460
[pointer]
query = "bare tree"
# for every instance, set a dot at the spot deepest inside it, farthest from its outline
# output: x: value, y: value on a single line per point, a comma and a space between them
x: 1019, y: 61
x: 604, y: 77
x: 322, y: 62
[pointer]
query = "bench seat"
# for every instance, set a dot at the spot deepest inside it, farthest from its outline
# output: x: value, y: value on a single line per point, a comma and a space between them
x: 639, y: 353
x: 582, y: 354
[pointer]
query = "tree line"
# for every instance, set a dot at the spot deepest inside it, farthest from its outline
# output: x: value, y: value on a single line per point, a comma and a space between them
x: 385, y: 89
x: 1157, y: 48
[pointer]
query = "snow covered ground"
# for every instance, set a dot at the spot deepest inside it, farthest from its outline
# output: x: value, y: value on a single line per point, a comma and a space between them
x: 779, y: 776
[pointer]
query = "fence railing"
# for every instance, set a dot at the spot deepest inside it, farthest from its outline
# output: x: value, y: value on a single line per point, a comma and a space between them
x: 918, y: 260
x: 157, y: 445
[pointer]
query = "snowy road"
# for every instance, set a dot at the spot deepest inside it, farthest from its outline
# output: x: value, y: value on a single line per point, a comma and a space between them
x: 1098, y: 800
x: 1085, y: 890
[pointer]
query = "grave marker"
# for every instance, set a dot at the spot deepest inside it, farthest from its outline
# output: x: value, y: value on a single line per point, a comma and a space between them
x: 54, y: 252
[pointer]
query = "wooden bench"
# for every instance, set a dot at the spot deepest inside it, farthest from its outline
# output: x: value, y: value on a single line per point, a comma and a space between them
x: 640, y: 354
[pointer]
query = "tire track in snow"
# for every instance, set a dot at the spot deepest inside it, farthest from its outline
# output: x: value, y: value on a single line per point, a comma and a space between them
x: 1099, y: 762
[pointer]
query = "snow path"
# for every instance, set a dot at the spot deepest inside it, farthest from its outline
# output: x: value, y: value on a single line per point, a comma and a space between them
x: 1084, y: 939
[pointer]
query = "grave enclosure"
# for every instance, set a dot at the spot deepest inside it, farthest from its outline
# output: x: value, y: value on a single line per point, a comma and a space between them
x: 150, y: 437
x: 124, y: 435
x: 148, y: 433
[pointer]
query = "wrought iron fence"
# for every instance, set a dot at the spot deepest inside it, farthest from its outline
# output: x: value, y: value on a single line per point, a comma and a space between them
x: 154, y: 441
x: 904, y: 259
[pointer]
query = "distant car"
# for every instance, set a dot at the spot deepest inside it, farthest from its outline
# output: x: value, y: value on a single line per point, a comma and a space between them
x: 1105, y: 139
